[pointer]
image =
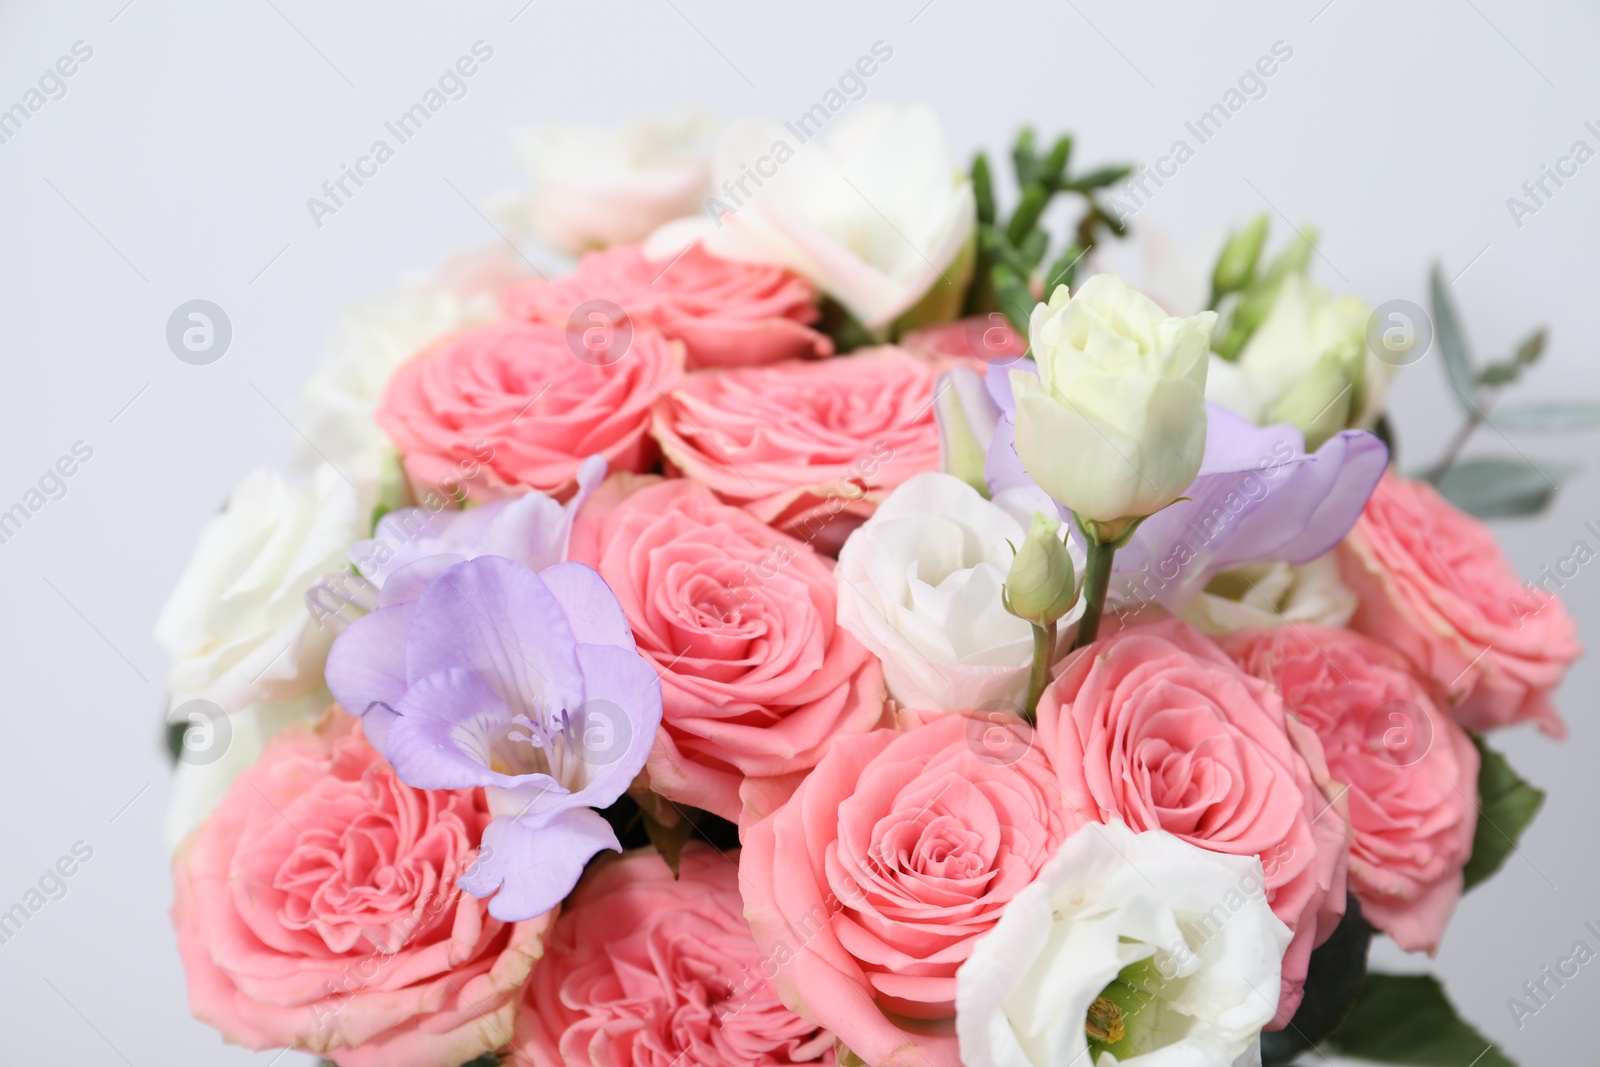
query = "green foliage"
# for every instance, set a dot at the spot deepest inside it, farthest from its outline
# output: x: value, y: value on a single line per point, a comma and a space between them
x: 1010, y: 251
x: 1333, y: 981
x: 1506, y: 805
x: 1406, y: 1018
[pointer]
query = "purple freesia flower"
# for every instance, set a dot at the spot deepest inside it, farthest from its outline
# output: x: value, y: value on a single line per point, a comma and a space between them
x: 489, y: 662
x: 526, y: 684
x: 532, y: 529
x: 1259, y: 496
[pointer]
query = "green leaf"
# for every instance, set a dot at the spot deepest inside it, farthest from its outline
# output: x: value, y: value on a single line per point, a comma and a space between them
x: 1405, y: 1018
x: 1014, y: 297
x: 1053, y: 171
x: 1035, y: 198
x: 983, y: 189
x: 174, y: 739
x: 1034, y: 246
x: 1529, y: 351
x: 1506, y: 805
x: 1023, y: 158
x: 1061, y: 272
x: 1500, y: 373
x: 1333, y: 980
x: 1555, y: 415
x: 1452, y: 342
x: 1503, y: 486
x: 1099, y: 178
x: 668, y: 838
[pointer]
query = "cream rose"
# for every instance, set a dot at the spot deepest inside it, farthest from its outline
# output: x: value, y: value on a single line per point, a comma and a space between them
x: 1114, y: 425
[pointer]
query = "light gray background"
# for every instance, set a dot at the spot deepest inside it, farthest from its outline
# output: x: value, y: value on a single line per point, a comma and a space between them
x: 178, y: 166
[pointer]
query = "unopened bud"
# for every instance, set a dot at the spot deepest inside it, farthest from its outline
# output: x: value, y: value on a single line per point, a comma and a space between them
x: 1042, y: 585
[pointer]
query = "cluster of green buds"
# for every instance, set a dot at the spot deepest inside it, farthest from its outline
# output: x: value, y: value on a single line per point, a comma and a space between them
x: 1010, y: 276
x: 1301, y: 353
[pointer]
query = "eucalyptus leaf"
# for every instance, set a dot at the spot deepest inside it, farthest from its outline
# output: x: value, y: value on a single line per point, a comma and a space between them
x: 1500, y: 373
x: 1452, y: 342
x: 1406, y: 1019
x: 1502, y: 486
x: 1529, y: 351
x: 1553, y: 415
x: 1506, y: 805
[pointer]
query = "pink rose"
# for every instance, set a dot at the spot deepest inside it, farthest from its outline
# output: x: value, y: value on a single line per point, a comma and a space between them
x: 1412, y: 774
x: 810, y: 448
x: 1156, y: 726
x: 756, y: 676
x: 898, y: 852
x: 317, y: 909
x: 644, y: 970
x: 513, y: 406
x: 1434, y: 584
x: 726, y: 313
x: 976, y: 341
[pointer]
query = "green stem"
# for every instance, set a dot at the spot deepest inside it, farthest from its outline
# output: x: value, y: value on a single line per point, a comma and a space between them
x: 1044, y: 653
x: 1096, y: 580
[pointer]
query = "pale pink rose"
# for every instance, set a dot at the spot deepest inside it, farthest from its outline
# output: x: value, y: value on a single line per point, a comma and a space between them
x: 1434, y: 584
x: 513, y: 406
x: 871, y: 885
x: 976, y: 341
x: 317, y: 909
x: 1156, y: 726
x: 648, y: 970
x: 1411, y: 774
x: 727, y: 313
x: 809, y: 447
x: 738, y: 619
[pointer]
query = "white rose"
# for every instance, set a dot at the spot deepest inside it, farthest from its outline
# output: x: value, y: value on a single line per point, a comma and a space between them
x: 873, y: 210
x: 1173, y: 945
x: 1114, y: 426
x: 236, y: 624
x: 203, y: 774
x: 594, y: 187
x: 1306, y: 364
x: 920, y: 583
x: 1263, y: 595
x: 371, y: 342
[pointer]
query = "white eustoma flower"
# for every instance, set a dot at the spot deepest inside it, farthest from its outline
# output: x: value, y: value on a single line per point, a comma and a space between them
x: 920, y: 584
x: 1114, y: 425
x: 1262, y: 595
x: 371, y: 342
x: 595, y: 186
x: 1308, y: 363
x: 1170, y: 954
x: 873, y: 209
x: 236, y: 624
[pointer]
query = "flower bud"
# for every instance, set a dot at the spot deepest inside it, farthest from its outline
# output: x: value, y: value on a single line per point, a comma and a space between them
x: 1236, y: 266
x: 1041, y: 586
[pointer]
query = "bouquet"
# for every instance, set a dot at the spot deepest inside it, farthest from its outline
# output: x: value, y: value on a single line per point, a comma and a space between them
x: 837, y: 626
